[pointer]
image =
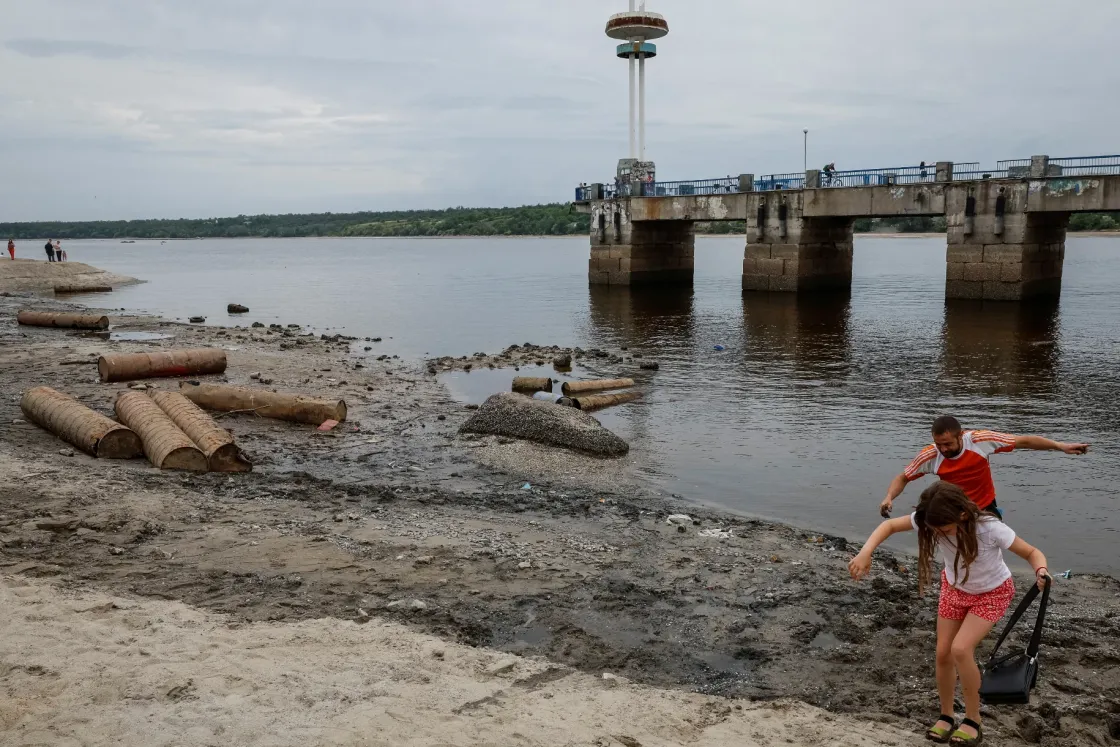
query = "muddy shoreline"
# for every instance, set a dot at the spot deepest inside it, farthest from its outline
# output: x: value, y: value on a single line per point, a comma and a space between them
x: 394, y: 515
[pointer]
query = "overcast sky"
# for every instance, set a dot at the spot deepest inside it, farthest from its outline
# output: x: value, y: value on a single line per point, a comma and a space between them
x: 195, y: 108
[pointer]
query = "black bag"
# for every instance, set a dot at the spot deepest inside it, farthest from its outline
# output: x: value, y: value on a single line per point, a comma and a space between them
x: 1011, y: 677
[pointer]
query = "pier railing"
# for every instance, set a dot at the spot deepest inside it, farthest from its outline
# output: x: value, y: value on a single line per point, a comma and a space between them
x: 1016, y: 168
x: 975, y: 173
x: 722, y: 186
x: 1088, y: 165
x: 779, y: 181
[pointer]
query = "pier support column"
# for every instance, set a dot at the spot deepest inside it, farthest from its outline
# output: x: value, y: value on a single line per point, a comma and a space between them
x: 997, y: 250
x: 791, y: 253
x: 625, y: 252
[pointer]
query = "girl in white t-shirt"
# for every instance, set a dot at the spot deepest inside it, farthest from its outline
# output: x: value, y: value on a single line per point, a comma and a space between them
x: 976, y: 590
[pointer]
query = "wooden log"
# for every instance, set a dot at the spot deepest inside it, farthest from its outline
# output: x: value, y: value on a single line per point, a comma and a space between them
x: 62, y: 320
x: 165, y: 445
x: 131, y: 366
x: 532, y: 384
x: 78, y: 425
x: 60, y: 290
x: 294, y: 407
x: 599, y: 401
x: 598, y: 385
x: 215, y: 442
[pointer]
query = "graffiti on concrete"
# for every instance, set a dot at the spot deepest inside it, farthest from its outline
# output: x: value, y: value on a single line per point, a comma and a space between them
x: 1059, y: 187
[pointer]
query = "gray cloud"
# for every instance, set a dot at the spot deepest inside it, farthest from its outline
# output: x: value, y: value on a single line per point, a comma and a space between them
x: 214, y: 107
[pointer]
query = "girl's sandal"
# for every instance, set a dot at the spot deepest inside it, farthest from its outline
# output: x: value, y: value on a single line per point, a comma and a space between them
x: 939, y: 733
x: 960, y: 737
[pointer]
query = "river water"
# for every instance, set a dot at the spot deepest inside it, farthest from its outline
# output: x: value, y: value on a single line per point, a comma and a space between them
x: 814, y: 405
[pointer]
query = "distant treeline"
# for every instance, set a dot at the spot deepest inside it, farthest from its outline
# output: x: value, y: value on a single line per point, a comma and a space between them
x: 534, y: 220
x: 557, y: 219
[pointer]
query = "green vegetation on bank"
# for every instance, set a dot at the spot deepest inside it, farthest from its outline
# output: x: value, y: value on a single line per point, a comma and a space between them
x: 557, y: 219
x: 533, y: 220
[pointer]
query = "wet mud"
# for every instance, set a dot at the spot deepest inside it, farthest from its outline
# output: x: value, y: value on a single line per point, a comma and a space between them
x: 393, y: 515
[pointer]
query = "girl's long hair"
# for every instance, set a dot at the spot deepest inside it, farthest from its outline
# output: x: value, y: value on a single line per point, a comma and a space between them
x: 944, y: 504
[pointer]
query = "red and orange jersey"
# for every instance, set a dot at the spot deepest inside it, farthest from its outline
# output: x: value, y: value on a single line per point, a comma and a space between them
x: 969, y: 470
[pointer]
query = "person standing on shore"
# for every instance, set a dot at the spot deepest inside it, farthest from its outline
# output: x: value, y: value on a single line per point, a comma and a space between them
x: 58, y: 254
x: 12, y: 248
x: 49, y: 249
x: 961, y: 458
x: 976, y: 590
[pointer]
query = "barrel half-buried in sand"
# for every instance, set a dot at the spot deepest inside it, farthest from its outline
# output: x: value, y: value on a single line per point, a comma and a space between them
x: 62, y: 290
x: 599, y: 401
x: 78, y: 425
x: 216, y: 443
x: 598, y: 385
x: 293, y: 407
x: 62, y: 320
x: 165, y: 445
x: 532, y: 384
x: 132, y: 366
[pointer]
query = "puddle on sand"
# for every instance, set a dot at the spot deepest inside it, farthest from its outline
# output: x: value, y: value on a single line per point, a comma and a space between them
x: 129, y: 336
x: 533, y: 635
x: 474, y: 386
x: 826, y: 641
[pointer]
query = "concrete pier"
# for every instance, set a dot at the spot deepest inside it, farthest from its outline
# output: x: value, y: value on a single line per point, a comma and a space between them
x: 1006, y: 236
x: 999, y: 251
x: 628, y: 252
x: 787, y: 251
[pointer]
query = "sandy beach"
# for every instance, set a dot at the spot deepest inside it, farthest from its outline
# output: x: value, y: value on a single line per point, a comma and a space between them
x: 36, y: 275
x: 394, y: 582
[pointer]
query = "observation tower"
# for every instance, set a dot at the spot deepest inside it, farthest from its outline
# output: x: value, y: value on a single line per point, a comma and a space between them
x: 636, y: 28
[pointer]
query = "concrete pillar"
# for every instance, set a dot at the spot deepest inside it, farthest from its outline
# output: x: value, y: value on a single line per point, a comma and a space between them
x: 746, y: 182
x: 639, y: 252
x: 1040, y: 166
x: 813, y: 179
x: 1002, y: 252
x: 788, y: 252
x: 944, y: 171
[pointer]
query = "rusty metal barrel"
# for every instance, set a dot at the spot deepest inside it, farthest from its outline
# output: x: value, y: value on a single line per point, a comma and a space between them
x: 598, y: 385
x: 165, y: 445
x: 599, y: 401
x: 62, y: 320
x: 78, y: 425
x: 215, y: 442
x: 532, y: 384
x: 132, y: 366
x: 294, y: 407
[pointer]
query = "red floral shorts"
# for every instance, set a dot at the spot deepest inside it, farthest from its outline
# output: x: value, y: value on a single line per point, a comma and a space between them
x: 991, y: 605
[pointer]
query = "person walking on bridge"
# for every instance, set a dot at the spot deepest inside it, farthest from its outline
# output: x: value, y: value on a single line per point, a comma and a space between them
x: 960, y: 457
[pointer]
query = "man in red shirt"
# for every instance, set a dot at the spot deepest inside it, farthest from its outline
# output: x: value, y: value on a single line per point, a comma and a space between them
x: 961, y: 458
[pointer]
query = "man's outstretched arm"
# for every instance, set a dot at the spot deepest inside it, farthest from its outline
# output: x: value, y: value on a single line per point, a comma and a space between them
x: 1038, y: 443
x: 898, y: 484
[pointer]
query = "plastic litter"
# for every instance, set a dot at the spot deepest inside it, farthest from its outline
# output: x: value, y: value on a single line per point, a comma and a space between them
x: 717, y: 533
x: 1065, y: 575
x: 556, y: 399
x: 678, y: 519
x: 526, y: 486
x: 720, y: 348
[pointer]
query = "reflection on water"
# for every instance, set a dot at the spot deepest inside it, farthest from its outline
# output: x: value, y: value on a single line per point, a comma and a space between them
x: 806, y: 411
x: 1002, y: 348
x: 810, y: 332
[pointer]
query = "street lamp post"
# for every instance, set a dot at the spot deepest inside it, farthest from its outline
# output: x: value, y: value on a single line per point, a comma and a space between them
x: 806, y: 151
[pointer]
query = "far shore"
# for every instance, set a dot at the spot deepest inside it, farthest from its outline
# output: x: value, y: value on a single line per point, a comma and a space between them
x: 862, y: 235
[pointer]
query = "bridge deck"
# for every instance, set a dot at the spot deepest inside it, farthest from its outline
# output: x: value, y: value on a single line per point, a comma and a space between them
x: 1057, y: 194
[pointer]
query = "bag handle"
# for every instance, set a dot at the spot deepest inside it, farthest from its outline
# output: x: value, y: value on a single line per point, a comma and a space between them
x: 1036, y: 636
